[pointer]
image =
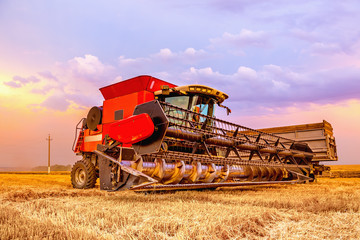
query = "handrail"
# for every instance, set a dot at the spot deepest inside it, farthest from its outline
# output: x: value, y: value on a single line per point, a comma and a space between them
x: 76, y: 133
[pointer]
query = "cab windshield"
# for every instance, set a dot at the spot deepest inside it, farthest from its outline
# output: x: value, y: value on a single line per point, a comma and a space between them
x: 180, y: 101
x: 197, y: 104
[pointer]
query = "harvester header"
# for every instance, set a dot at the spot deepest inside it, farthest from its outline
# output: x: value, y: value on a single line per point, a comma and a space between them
x: 153, y: 135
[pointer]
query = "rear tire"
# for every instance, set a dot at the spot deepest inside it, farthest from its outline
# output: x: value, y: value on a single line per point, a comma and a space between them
x: 83, y: 174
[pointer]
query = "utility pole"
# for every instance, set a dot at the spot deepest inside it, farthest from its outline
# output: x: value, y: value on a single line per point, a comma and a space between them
x: 49, y: 139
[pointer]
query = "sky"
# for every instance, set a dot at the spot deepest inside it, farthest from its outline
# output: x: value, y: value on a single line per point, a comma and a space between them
x: 281, y: 62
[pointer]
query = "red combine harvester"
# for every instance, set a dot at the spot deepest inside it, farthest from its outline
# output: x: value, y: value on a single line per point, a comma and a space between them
x: 153, y: 135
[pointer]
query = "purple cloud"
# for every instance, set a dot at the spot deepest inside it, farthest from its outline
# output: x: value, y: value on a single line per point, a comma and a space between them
x: 77, y: 81
x: 56, y: 102
x: 321, y: 48
x: 236, y: 5
x: 74, y: 82
x: 243, y: 39
x: 18, y: 81
x: 164, y: 62
x: 48, y: 75
x: 43, y: 90
x: 89, y: 69
x: 305, y: 35
x: 13, y: 84
x: 276, y: 86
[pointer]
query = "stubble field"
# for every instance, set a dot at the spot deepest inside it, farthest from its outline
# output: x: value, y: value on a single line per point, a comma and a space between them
x: 38, y: 206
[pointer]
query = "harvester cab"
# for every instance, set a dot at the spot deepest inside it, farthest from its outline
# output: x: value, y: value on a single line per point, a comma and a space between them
x: 197, y: 98
x: 153, y: 135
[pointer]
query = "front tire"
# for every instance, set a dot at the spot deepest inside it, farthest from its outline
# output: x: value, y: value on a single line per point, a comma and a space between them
x: 83, y: 174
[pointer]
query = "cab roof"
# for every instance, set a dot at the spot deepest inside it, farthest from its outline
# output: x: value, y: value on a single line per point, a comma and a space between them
x: 198, y: 89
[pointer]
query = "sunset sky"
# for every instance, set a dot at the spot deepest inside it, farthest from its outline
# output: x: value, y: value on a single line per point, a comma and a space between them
x: 281, y: 62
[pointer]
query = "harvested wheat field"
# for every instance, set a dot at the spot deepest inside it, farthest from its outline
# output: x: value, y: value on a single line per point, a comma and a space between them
x: 35, y: 206
x: 343, y: 171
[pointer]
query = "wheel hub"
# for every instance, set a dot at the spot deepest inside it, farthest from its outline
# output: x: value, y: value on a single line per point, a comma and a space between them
x: 80, y: 176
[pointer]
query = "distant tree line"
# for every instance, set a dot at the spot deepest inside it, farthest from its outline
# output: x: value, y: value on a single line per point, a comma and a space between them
x: 53, y: 168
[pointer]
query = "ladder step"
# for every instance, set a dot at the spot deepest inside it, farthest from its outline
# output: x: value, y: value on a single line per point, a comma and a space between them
x: 80, y: 141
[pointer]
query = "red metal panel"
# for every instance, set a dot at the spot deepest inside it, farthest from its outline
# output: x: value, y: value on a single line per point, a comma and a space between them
x: 144, y: 97
x: 133, y: 129
x: 133, y: 85
x: 127, y: 103
x: 92, y: 139
x: 90, y: 146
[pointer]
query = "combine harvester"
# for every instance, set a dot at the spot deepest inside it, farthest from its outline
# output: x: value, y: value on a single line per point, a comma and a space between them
x: 153, y: 135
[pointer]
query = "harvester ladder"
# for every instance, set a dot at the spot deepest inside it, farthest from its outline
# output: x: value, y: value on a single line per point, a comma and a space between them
x: 79, y: 141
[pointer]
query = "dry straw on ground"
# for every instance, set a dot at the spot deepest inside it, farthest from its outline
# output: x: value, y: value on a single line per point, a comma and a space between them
x: 45, y: 206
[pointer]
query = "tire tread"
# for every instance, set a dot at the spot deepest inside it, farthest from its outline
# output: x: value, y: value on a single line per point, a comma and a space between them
x: 90, y: 173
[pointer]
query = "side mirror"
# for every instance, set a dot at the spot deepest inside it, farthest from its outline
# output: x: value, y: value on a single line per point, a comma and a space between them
x: 228, y: 110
